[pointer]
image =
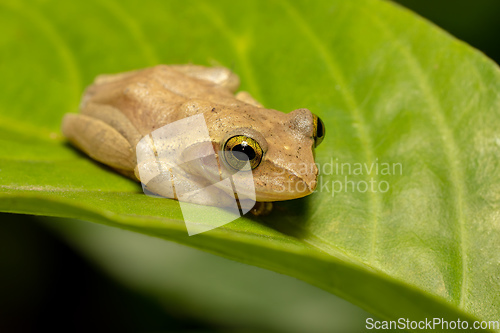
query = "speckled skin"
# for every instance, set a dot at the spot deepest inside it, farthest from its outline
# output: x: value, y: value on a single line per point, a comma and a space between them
x: 118, y: 110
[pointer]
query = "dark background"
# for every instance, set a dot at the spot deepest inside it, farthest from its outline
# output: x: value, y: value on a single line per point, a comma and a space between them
x: 475, y: 22
x: 45, y: 285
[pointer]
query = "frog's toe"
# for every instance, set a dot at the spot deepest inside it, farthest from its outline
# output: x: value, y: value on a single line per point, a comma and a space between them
x: 262, y: 208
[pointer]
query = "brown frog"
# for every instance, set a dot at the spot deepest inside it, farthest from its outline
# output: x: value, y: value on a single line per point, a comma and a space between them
x: 119, y: 110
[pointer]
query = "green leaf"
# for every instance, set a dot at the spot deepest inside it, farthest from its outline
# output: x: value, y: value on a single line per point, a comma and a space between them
x: 390, y: 87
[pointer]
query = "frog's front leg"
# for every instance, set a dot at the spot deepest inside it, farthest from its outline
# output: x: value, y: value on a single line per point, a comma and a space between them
x: 100, y: 141
x: 221, y: 76
x: 247, y: 98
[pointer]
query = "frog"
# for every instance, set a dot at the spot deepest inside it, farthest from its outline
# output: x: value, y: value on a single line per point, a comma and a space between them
x: 118, y: 112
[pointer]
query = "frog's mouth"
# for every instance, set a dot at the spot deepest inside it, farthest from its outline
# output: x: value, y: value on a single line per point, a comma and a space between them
x: 248, y: 186
x: 296, y: 190
x: 278, y: 183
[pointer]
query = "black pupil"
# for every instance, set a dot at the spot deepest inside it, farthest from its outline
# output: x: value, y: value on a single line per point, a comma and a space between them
x: 244, y: 148
x: 320, y: 130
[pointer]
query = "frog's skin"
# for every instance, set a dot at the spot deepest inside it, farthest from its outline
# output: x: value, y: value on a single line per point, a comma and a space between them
x: 118, y: 110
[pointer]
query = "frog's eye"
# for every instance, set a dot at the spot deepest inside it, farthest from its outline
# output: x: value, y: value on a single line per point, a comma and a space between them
x: 319, y: 130
x: 239, y: 149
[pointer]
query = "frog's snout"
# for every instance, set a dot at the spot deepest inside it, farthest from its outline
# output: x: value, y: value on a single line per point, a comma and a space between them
x: 300, y: 184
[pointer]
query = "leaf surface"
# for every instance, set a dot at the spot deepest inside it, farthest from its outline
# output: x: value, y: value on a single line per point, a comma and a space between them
x: 412, y: 118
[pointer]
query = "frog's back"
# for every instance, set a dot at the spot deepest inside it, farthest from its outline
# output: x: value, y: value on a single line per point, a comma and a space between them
x: 118, y: 110
x: 149, y: 98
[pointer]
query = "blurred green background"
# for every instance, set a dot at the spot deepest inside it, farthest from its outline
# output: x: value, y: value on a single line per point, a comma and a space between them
x: 53, y: 274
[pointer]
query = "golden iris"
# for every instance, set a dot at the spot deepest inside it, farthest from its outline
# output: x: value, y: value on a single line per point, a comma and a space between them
x: 319, y: 130
x: 239, y: 149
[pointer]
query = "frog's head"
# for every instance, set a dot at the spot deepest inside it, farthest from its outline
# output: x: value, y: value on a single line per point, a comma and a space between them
x: 279, y: 147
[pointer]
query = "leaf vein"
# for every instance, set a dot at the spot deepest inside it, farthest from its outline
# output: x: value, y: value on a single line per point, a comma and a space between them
x: 448, y: 141
x: 60, y: 44
x: 241, y: 52
x: 134, y: 28
x: 353, y: 107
